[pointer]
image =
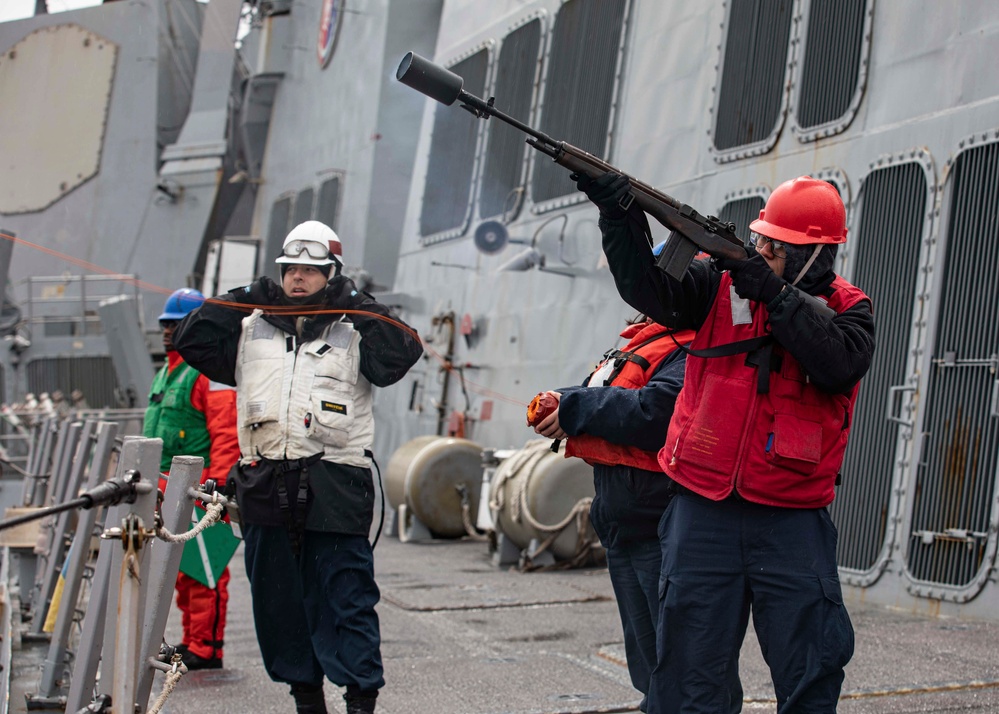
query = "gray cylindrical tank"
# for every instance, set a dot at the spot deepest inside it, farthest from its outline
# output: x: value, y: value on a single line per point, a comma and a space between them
x: 423, y: 474
x: 540, y: 485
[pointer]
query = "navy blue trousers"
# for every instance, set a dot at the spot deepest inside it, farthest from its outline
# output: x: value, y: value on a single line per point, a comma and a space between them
x: 627, y: 505
x: 723, y: 559
x: 315, y: 614
x: 634, y: 572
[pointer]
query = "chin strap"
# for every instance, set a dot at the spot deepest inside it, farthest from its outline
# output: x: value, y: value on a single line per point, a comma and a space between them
x: 815, y: 254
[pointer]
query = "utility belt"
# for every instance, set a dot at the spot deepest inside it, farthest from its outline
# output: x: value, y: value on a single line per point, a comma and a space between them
x: 275, y: 493
x: 282, y: 492
x: 297, y: 515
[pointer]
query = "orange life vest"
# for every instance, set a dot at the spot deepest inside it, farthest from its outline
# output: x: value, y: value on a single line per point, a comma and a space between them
x: 631, y: 367
x: 783, y: 447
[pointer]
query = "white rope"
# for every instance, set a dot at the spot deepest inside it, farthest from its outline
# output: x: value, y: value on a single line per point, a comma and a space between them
x: 470, y: 531
x: 582, y: 504
x: 169, y: 684
x: 211, y: 517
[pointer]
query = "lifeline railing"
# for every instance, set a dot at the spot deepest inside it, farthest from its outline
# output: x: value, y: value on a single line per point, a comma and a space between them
x: 138, y: 546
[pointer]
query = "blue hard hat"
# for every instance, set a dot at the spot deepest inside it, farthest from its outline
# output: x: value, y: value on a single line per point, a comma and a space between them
x: 180, y: 303
x: 658, y: 248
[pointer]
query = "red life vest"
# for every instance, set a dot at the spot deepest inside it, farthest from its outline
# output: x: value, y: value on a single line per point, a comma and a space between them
x: 780, y: 448
x: 631, y: 367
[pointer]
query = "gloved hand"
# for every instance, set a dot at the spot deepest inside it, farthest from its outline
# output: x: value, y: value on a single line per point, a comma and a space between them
x: 341, y: 292
x: 262, y: 291
x: 723, y: 264
x: 753, y: 279
x: 606, y: 191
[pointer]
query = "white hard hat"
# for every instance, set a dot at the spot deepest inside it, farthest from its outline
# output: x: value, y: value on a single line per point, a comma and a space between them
x: 310, y: 243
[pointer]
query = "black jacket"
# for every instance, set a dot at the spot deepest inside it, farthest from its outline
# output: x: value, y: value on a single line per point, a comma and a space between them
x: 835, y: 352
x: 628, y: 501
x: 208, y: 337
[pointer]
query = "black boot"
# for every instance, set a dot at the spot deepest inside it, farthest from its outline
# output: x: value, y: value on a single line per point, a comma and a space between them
x: 194, y: 661
x: 309, y: 699
x: 360, y: 701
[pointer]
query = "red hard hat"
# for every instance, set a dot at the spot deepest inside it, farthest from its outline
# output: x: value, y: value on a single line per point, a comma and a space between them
x: 803, y: 211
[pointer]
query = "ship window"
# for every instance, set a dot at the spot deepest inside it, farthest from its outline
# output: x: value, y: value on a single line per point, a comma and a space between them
x: 579, y: 86
x: 303, y: 206
x: 742, y: 212
x: 452, y: 156
x: 278, y: 228
x: 961, y: 430
x: 831, y: 78
x: 751, y: 99
x: 892, y: 208
x: 506, y: 152
x: 94, y: 376
x: 329, y: 202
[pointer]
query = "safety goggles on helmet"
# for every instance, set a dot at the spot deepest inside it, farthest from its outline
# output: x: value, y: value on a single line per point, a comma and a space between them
x: 761, y: 241
x: 313, y: 249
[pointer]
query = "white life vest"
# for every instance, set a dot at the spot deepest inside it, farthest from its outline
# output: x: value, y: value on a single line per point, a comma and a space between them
x: 295, y: 399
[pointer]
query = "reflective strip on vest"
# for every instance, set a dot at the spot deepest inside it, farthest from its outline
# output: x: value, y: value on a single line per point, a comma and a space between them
x: 594, y: 450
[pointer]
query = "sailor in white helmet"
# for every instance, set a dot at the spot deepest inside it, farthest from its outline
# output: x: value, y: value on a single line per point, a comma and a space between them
x: 304, y: 487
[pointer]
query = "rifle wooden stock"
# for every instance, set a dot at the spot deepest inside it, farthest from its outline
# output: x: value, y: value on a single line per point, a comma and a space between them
x: 690, y: 231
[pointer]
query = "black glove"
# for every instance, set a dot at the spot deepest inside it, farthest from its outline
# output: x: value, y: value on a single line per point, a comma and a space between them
x: 606, y: 191
x: 262, y: 291
x: 753, y: 279
x: 342, y: 293
x: 723, y: 264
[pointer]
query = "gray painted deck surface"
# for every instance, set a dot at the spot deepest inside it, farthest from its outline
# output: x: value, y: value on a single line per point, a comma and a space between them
x: 463, y: 637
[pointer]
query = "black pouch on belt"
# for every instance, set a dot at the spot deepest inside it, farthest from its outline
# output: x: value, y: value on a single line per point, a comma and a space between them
x: 256, y: 494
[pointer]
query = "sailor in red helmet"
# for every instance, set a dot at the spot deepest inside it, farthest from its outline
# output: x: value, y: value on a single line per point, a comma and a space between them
x: 754, y: 446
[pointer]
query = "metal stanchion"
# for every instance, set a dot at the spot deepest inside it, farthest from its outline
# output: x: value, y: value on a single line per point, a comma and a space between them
x: 178, y: 504
x: 58, y: 655
x: 79, y: 443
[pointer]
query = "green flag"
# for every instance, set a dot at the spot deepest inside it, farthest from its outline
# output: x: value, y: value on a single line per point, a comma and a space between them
x: 207, y: 555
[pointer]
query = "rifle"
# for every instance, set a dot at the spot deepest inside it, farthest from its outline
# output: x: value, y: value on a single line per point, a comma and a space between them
x: 690, y: 232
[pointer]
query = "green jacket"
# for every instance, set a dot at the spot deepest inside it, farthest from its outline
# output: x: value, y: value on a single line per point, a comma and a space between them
x: 171, y: 417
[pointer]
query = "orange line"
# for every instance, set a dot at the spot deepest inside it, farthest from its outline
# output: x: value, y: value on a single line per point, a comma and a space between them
x: 270, y: 309
x: 87, y: 265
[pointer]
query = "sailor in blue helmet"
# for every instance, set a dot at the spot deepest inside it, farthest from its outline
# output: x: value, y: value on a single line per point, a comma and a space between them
x: 194, y: 417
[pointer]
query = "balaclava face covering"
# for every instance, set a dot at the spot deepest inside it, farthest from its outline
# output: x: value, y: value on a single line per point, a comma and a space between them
x: 818, y: 275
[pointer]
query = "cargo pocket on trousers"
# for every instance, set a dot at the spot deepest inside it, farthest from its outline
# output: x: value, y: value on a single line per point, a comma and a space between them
x: 838, y: 636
